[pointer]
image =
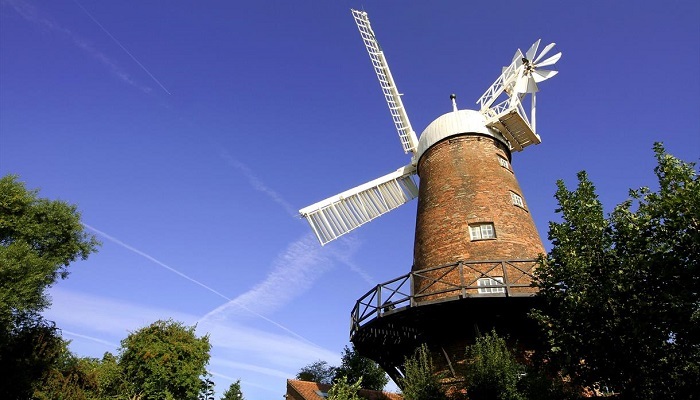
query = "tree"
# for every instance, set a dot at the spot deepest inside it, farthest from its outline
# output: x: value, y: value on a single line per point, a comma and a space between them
x: 357, y: 368
x: 622, y: 294
x: 492, y: 371
x: 342, y: 389
x: 420, y: 381
x: 29, y: 348
x: 39, y: 238
x: 72, y: 378
x: 234, y: 392
x: 165, y: 360
x: 318, y: 371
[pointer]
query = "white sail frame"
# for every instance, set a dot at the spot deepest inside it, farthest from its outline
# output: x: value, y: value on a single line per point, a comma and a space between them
x: 409, y: 140
x: 344, y: 212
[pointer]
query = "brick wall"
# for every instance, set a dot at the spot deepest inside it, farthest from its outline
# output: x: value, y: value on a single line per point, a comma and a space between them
x: 462, y: 182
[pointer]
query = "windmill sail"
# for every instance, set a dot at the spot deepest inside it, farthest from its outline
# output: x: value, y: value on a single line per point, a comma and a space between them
x: 408, y: 138
x: 338, y: 215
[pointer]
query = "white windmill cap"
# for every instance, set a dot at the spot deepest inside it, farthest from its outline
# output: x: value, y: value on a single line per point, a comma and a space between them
x: 455, y: 123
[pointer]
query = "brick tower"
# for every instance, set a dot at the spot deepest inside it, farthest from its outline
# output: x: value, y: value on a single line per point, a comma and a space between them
x: 474, y: 252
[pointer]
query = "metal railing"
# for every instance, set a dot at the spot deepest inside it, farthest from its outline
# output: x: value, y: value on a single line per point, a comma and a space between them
x: 444, y: 283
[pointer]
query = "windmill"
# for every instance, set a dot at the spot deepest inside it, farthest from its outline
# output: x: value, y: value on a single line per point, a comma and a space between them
x: 507, y: 119
x: 475, y: 240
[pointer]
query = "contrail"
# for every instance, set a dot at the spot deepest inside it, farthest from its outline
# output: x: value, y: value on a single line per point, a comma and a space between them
x: 31, y: 14
x: 91, y: 338
x: 120, y: 45
x: 148, y: 257
x: 256, y: 183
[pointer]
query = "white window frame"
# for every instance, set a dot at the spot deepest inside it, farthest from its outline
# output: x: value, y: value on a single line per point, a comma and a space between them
x: 517, y: 199
x: 504, y: 163
x: 491, y: 281
x: 482, y: 231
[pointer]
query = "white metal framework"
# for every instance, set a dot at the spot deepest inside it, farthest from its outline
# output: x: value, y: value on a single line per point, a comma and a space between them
x: 517, y: 80
x: 409, y: 141
x: 338, y: 215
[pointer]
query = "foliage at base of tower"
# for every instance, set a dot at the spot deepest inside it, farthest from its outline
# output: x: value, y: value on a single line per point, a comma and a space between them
x: 420, y: 381
x: 492, y: 371
x: 165, y: 360
x: 356, y: 368
x: 353, y: 366
x: 622, y: 294
x: 342, y: 389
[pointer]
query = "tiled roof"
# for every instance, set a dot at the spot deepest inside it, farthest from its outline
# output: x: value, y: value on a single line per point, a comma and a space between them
x: 303, y: 390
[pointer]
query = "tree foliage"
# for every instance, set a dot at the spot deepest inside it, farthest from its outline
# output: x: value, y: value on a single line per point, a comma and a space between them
x: 420, y: 381
x: 318, y: 371
x: 165, y: 360
x: 234, y: 392
x: 492, y: 371
x: 29, y: 348
x: 342, y: 389
x: 39, y: 238
x: 357, y: 368
x: 622, y: 305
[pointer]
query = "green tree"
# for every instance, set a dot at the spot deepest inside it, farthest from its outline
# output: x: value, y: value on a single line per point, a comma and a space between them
x: 357, y: 368
x: 71, y: 378
x: 318, y: 371
x: 29, y: 349
x: 165, y: 360
x: 39, y: 238
x: 622, y: 294
x: 420, y: 381
x: 492, y: 371
x: 234, y: 392
x: 342, y: 389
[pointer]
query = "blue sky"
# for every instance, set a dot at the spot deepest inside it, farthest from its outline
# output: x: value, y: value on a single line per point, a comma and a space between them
x: 190, y: 133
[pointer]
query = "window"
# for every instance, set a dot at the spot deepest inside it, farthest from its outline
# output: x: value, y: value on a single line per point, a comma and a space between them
x: 517, y: 200
x: 484, y: 284
x: 504, y: 163
x: 482, y: 231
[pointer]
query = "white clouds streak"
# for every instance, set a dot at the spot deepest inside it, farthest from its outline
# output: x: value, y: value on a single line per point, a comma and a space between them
x: 173, y: 270
x: 142, y: 254
x: 121, y: 46
x: 31, y: 14
x: 293, y: 272
x: 257, y: 184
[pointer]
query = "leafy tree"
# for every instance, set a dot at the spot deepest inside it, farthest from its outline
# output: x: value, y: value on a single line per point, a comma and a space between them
x: 318, y: 371
x: 29, y: 349
x: 492, y: 371
x: 420, y: 381
x: 622, y: 294
x: 39, y: 238
x: 72, y: 378
x: 234, y: 392
x: 207, y: 392
x: 344, y: 390
x: 357, y: 368
x: 165, y: 360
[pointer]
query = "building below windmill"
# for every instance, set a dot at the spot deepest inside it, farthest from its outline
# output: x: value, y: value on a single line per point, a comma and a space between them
x: 303, y: 390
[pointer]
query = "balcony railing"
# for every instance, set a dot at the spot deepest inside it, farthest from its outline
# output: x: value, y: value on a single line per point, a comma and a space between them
x: 506, y: 278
